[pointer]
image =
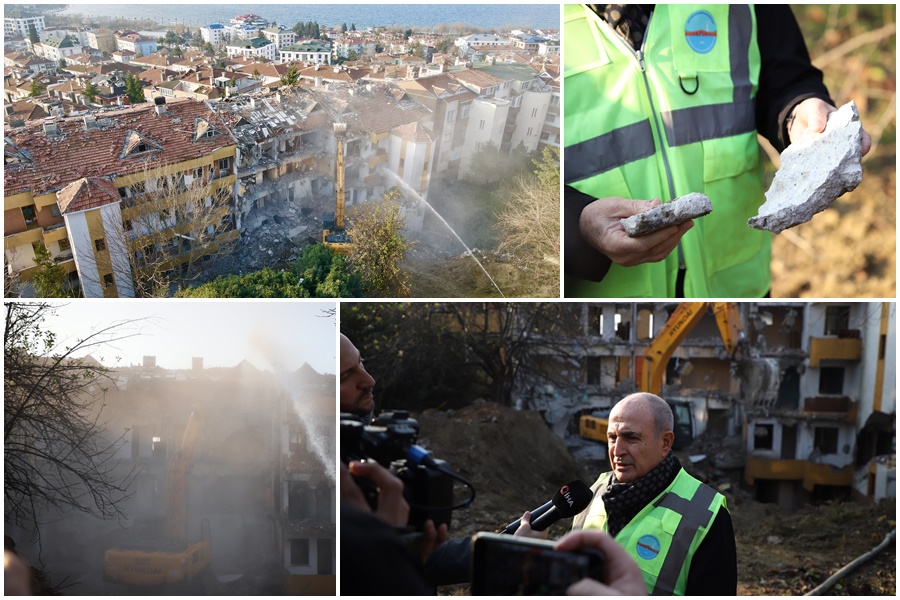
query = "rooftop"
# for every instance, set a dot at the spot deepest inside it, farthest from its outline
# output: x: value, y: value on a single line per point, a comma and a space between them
x: 71, y: 153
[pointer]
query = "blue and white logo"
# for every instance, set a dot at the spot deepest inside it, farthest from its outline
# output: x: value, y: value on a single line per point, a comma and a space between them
x: 648, y: 547
x: 700, y: 31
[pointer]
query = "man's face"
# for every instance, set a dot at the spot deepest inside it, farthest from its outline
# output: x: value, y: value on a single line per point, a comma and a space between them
x: 634, y: 448
x: 356, y: 383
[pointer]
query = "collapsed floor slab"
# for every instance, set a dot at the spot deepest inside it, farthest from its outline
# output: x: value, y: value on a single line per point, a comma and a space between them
x: 814, y: 173
x: 679, y: 210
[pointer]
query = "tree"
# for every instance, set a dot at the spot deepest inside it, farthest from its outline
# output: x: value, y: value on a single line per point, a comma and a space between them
x: 90, y: 92
x: 291, y: 77
x: 408, y: 33
x: 58, y: 456
x: 447, y: 354
x: 529, y: 222
x: 379, y: 246
x: 325, y: 274
x: 352, y: 26
x: 344, y: 28
x: 62, y: 64
x: 172, y: 221
x: 50, y: 278
x: 36, y: 89
x: 33, y: 36
x: 351, y: 56
x: 266, y: 283
x: 134, y: 89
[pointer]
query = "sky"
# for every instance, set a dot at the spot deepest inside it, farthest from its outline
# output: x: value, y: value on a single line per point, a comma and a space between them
x: 223, y: 332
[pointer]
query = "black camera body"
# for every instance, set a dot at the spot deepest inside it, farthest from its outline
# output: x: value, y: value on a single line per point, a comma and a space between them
x: 391, y: 441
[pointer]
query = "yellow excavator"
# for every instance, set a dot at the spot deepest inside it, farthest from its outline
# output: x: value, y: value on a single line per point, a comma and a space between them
x: 173, y: 560
x: 655, y: 359
x: 333, y: 234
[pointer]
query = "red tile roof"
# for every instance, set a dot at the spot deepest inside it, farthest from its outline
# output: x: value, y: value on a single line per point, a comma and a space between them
x: 73, y: 153
x: 414, y: 132
x: 86, y: 193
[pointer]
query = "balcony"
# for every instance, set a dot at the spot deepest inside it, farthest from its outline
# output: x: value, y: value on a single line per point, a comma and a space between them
x: 834, y: 349
x: 810, y: 474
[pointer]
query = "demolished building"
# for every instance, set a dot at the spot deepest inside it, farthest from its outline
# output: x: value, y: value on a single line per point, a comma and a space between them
x: 260, y: 489
x: 812, y: 416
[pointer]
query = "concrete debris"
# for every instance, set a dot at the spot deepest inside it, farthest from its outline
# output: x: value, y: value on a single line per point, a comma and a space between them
x: 679, y: 210
x: 814, y: 173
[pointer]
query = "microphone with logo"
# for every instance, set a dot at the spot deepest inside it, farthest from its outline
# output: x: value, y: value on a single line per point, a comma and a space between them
x: 570, y: 500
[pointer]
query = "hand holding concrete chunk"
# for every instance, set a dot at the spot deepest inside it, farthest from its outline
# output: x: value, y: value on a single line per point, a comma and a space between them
x: 677, y: 211
x: 814, y: 173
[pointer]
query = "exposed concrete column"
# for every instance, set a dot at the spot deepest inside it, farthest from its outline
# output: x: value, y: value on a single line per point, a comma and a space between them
x: 609, y: 321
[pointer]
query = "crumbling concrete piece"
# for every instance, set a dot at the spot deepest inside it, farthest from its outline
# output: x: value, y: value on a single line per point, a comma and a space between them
x: 679, y: 210
x: 814, y: 173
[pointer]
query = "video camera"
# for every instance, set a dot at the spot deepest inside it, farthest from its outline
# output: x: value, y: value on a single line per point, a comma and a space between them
x: 391, y: 441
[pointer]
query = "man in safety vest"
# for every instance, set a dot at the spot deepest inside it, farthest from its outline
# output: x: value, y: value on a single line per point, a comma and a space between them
x: 665, y: 100
x: 677, y: 529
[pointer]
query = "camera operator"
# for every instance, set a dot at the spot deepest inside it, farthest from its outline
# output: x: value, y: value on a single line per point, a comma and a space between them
x: 356, y: 383
x: 374, y: 559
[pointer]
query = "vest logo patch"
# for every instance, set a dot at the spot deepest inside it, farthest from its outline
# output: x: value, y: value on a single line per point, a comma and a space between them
x: 700, y: 31
x: 648, y: 547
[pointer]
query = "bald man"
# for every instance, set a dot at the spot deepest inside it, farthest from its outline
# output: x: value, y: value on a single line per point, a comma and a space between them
x: 676, y: 528
x: 356, y: 383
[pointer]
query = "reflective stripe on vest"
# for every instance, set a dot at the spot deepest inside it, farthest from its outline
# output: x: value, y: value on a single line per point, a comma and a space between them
x: 667, y: 531
x: 639, y: 134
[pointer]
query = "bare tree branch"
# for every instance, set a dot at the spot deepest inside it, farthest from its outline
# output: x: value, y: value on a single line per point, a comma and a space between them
x: 58, y: 454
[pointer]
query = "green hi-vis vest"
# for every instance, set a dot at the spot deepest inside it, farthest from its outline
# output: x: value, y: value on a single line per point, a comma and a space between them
x: 664, y: 536
x: 675, y: 118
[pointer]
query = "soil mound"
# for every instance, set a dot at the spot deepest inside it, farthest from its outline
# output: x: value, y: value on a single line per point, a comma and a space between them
x: 511, y: 457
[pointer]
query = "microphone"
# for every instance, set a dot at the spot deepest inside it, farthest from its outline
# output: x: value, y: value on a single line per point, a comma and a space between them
x: 570, y: 500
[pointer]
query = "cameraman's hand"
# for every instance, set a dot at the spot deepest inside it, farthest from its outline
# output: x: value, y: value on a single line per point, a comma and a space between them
x: 432, y: 538
x: 392, y: 508
x: 623, y: 574
x: 524, y: 529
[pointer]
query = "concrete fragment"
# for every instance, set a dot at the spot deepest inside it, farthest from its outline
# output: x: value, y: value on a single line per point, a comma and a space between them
x: 814, y: 173
x: 679, y: 210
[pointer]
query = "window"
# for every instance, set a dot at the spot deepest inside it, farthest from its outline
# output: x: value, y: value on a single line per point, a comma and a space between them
x: 451, y: 115
x: 300, y: 552
x: 592, y: 367
x: 224, y: 166
x: 28, y: 213
x: 762, y: 436
x: 64, y: 245
x: 481, y: 124
x: 108, y: 280
x: 464, y: 111
x: 129, y: 226
x: 54, y: 211
x: 448, y: 137
x: 489, y: 91
x: 826, y: 440
x: 100, y: 244
x: 837, y: 319
x: 197, y: 173
x: 831, y: 380
x: 299, y: 500
x: 530, y: 131
x: 533, y: 112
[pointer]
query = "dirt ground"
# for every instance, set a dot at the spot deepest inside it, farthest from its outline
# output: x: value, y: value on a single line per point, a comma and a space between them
x: 847, y: 250
x: 516, y: 463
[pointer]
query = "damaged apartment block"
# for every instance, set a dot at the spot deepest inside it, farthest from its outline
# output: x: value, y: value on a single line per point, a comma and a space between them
x: 795, y: 399
x: 253, y: 447
x: 85, y: 186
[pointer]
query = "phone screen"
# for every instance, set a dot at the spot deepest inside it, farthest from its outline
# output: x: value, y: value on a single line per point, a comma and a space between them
x: 507, y: 566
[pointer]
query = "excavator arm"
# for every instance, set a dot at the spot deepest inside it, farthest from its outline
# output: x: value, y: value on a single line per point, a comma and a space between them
x: 177, y: 495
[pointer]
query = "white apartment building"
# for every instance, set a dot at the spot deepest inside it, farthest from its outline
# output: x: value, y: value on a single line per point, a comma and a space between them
x: 18, y: 26
x: 253, y: 48
x: 214, y: 33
